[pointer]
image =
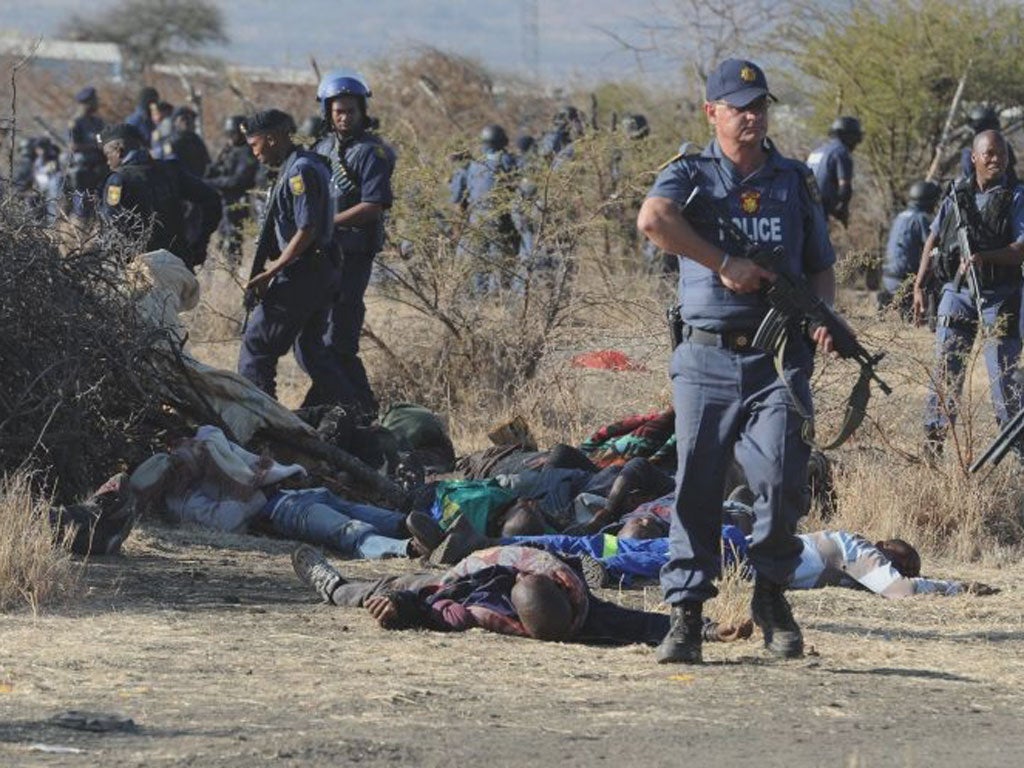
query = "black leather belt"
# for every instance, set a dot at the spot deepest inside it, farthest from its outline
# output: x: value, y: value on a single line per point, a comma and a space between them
x: 736, y: 341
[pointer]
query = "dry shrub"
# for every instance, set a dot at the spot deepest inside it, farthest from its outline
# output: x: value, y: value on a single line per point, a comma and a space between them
x: 75, y: 399
x: 948, y: 513
x: 33, y: 570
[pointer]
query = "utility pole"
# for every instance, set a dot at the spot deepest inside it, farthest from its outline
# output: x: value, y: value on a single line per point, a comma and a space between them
x: 530, y: 13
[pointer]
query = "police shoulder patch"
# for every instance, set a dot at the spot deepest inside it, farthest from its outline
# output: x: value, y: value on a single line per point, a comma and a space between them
x: 113, y: 194
x: 298, y: 186
x: 380, y: 152
x: 812, y: 186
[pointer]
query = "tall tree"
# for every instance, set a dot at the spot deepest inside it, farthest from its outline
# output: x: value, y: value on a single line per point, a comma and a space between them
x: 151, y: 31
x: 896, y: 63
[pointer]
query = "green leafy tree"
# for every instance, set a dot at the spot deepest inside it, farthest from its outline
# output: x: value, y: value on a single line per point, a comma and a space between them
x: 896, y: 64
x: 151, y: 31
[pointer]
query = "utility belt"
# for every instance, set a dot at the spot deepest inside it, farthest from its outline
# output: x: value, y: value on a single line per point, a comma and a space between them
x: 318, y: 256
x: 735, y: 341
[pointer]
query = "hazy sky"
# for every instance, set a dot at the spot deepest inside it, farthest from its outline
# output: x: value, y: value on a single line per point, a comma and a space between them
x: 339, y: 32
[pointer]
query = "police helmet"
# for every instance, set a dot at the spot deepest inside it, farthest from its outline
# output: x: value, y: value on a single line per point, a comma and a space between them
x: 566, y: 115
x: 636, y: 126
x: 924, y: 193
x: 233, y: 124
x: 312, y: 126
x: 493, y: 137
x: 983, y: 118
x: 846, y: 126
x: 341, y: 83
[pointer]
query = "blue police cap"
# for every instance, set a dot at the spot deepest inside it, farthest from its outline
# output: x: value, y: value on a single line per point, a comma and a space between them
x: 268, y: 121
x: 86, y: 94
x: 737, y: 82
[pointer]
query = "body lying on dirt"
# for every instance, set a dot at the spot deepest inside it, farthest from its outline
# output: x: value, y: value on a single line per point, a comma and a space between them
x: 829, y: 558
x: 555, y: 496
x: 213, y: 483
x: 510, y: 590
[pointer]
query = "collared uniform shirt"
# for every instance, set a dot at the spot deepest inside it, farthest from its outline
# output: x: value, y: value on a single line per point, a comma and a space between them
x: 363, y: 177
x: 303, y: 199
x: 775, y: 205
x: 831, y: 163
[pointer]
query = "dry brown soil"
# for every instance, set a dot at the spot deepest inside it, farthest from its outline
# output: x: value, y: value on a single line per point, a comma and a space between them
x: 210, y: 644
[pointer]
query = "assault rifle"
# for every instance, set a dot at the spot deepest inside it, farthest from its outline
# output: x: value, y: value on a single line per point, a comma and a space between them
x: 266, y: 249
x: 1005, y: 440
x: 792, y: 304
x: 967, y: 269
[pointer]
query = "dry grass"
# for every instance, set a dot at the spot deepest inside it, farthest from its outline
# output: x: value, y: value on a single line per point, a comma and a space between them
x: 32, y: 570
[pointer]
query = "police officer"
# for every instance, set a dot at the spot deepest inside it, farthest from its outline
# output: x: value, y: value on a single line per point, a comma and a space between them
x: 566, y: 126
x: 233, y: 174
x: 906, y: 241
x: 87, y: 167
x: 143, y: 195
x: 361, y: 167
x: 995, y: 216
x: 985, y: 118
x: 298, y: 283
x: 728, y: 396
x: 142, y: 117
x: 492, y: 237
x: 185, y: 144
x: 832, y: 164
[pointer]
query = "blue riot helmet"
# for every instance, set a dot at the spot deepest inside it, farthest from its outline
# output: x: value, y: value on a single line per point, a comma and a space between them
x: 341, y: 83
x: 494, y: 138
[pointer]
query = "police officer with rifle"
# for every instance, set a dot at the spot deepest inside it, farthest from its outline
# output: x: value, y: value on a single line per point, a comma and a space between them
x: 728, y: 395
x: 295, y: 270
x: 975, y: 247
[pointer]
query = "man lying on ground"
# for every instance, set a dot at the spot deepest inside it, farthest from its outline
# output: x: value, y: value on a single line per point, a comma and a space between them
x: 890, y: 568
x: 213, y: 483
x: 509, y: 590
x: 552, y: 498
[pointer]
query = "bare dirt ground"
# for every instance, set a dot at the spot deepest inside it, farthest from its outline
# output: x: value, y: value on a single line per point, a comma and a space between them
x: 211, y: 645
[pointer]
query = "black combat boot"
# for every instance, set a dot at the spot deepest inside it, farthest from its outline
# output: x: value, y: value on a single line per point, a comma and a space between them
x: 771, y: 612
x: 683, y: 642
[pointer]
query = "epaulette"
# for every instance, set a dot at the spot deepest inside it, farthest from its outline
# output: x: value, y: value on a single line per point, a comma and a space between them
x: 812, y: 185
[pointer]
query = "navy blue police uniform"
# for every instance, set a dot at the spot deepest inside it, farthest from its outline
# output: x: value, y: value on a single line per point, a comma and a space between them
x: 831, y: 163
x: 87, y: 166
x: 293, y: 310
x: 233, y: 174
x: 903, y: 249
x: 361, y: 168
x: 144, y: 190
x: 1000, y: 209
x: 728, y: 396
x: 493, y: 236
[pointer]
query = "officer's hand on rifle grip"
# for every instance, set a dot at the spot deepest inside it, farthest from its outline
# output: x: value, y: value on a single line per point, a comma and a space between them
x: 741, y: 275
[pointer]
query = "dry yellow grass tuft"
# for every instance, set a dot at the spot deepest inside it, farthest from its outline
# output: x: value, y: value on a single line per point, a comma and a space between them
x: 32, y: 570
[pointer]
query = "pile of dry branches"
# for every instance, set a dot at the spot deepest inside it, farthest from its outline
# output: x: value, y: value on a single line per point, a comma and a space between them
x: 75, y: 397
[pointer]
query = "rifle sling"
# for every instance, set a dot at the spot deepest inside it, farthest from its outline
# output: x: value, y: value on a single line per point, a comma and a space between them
x: 856, y: 403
